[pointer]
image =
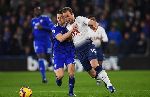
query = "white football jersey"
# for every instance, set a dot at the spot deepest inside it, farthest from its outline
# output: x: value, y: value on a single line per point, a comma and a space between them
x: 98, y: 36
x: 82, y: 35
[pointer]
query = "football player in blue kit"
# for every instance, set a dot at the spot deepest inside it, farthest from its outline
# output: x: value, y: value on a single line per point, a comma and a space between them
x: 63, y: 50
x: 41, y: 26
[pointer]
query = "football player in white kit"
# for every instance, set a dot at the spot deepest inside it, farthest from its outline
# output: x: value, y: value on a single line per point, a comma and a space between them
x: 99, y: 39
x: 85, y: 50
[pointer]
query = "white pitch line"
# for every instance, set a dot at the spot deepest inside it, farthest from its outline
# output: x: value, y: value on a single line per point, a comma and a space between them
x: 87, y: 91
x: 92, y: 91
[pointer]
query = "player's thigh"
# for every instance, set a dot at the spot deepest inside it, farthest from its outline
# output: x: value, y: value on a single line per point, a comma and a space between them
x: 39, y: 49
x: 48, y: 47
x: 58, y: 62
x: 94, y: 63
x: 92, y: 56
x: 99, y: 55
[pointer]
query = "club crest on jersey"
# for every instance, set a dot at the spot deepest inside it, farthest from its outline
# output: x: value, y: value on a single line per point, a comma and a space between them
x: 41, y: 21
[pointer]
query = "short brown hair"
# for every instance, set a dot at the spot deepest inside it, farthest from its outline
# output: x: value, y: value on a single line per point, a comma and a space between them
x: 65, y: 9
x: 59, y: 11
x: 92, y: 18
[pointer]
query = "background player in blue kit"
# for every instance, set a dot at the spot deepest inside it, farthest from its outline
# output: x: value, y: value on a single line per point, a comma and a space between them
x: 41, y: 25
x: 63, y: 49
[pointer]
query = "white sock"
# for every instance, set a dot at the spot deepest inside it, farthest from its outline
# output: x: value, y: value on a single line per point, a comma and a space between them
x: 103, y: 76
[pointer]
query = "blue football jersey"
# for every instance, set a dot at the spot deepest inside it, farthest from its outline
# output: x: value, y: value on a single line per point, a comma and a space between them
x: 58, y: 46
x: 64, y: 52
x: 42, y: 34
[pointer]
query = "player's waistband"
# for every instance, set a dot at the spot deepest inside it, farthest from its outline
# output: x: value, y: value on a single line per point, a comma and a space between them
x: 83, y: 45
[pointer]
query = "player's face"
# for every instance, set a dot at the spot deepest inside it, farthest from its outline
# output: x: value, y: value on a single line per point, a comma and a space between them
x: 69, y: 17
x: 93, y: 26
x: 37, y: 11
x: 60, y: 19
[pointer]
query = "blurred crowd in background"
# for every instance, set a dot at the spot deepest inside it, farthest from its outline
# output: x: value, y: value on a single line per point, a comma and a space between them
x: 127, y: 23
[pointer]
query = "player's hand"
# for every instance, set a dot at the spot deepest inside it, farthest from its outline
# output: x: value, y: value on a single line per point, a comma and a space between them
x: 75, y: 27
x: 39, y: 27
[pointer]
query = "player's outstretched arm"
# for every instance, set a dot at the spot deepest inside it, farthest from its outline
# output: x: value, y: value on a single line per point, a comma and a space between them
x: 62, y: 37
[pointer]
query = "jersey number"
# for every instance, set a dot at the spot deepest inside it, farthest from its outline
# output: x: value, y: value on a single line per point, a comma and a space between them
x: 93, y: 50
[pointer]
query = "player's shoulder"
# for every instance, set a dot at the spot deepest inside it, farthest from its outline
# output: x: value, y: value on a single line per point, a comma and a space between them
x: 44, y: 16
x: 101, y: 28
x: 80, y: 17
x: 56, y: 26
x: 33, y: 19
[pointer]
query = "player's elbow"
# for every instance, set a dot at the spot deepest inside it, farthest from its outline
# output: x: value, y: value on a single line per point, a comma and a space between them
x: 60, y: 39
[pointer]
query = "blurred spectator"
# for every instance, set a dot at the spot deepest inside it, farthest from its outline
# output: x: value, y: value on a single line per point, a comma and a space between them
x: 125, y: 47
x: 7, y: 35
x: 129, y: 18
x: 16, y: 43
x: 115, y: 36
x: 142, y: 45
x: 134, y: 37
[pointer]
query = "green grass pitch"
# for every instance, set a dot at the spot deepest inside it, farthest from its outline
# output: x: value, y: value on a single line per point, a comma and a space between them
x: 127, y: 84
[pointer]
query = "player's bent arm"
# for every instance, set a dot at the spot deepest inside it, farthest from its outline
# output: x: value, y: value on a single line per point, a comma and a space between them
x: 104, y: 35
x: 62, y: 37
x: 49, y: 25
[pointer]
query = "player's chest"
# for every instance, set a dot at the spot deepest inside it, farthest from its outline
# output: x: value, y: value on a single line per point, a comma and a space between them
x: 95, y: 35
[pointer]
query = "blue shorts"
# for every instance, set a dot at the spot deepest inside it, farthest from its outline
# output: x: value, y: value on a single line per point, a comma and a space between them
x: 85, y: 54
x: 42, y: 47
x: 99, y: 53
x: 63, y: 58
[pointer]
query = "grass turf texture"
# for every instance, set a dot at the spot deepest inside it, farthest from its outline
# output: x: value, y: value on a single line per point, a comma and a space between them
x: 127, y: 84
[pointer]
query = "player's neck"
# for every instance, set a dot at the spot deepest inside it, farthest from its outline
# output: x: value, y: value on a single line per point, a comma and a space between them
x: 72, y: 21
x: 62, y: 24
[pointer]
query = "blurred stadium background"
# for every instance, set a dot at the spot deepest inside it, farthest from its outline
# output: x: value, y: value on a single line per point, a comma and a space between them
x: 127, y: 23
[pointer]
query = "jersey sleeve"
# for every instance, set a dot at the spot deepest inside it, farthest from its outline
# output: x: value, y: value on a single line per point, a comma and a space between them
x: 104, y: 35
x: 83, y: 19
x: 49, y: 25
x: 55, y: 31
x: 69, y: 27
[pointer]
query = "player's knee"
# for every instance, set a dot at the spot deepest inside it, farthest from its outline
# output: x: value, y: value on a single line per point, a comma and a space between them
x: 42, y: 55
x: 92, y: 73
x: 71, y: 74
x: 60, y: 76
x: 94, y: 63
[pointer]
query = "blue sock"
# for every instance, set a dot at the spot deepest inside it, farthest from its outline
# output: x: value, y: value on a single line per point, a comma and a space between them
x: 42, y: 68
x: 71, y: 84
x: 98, y: 69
